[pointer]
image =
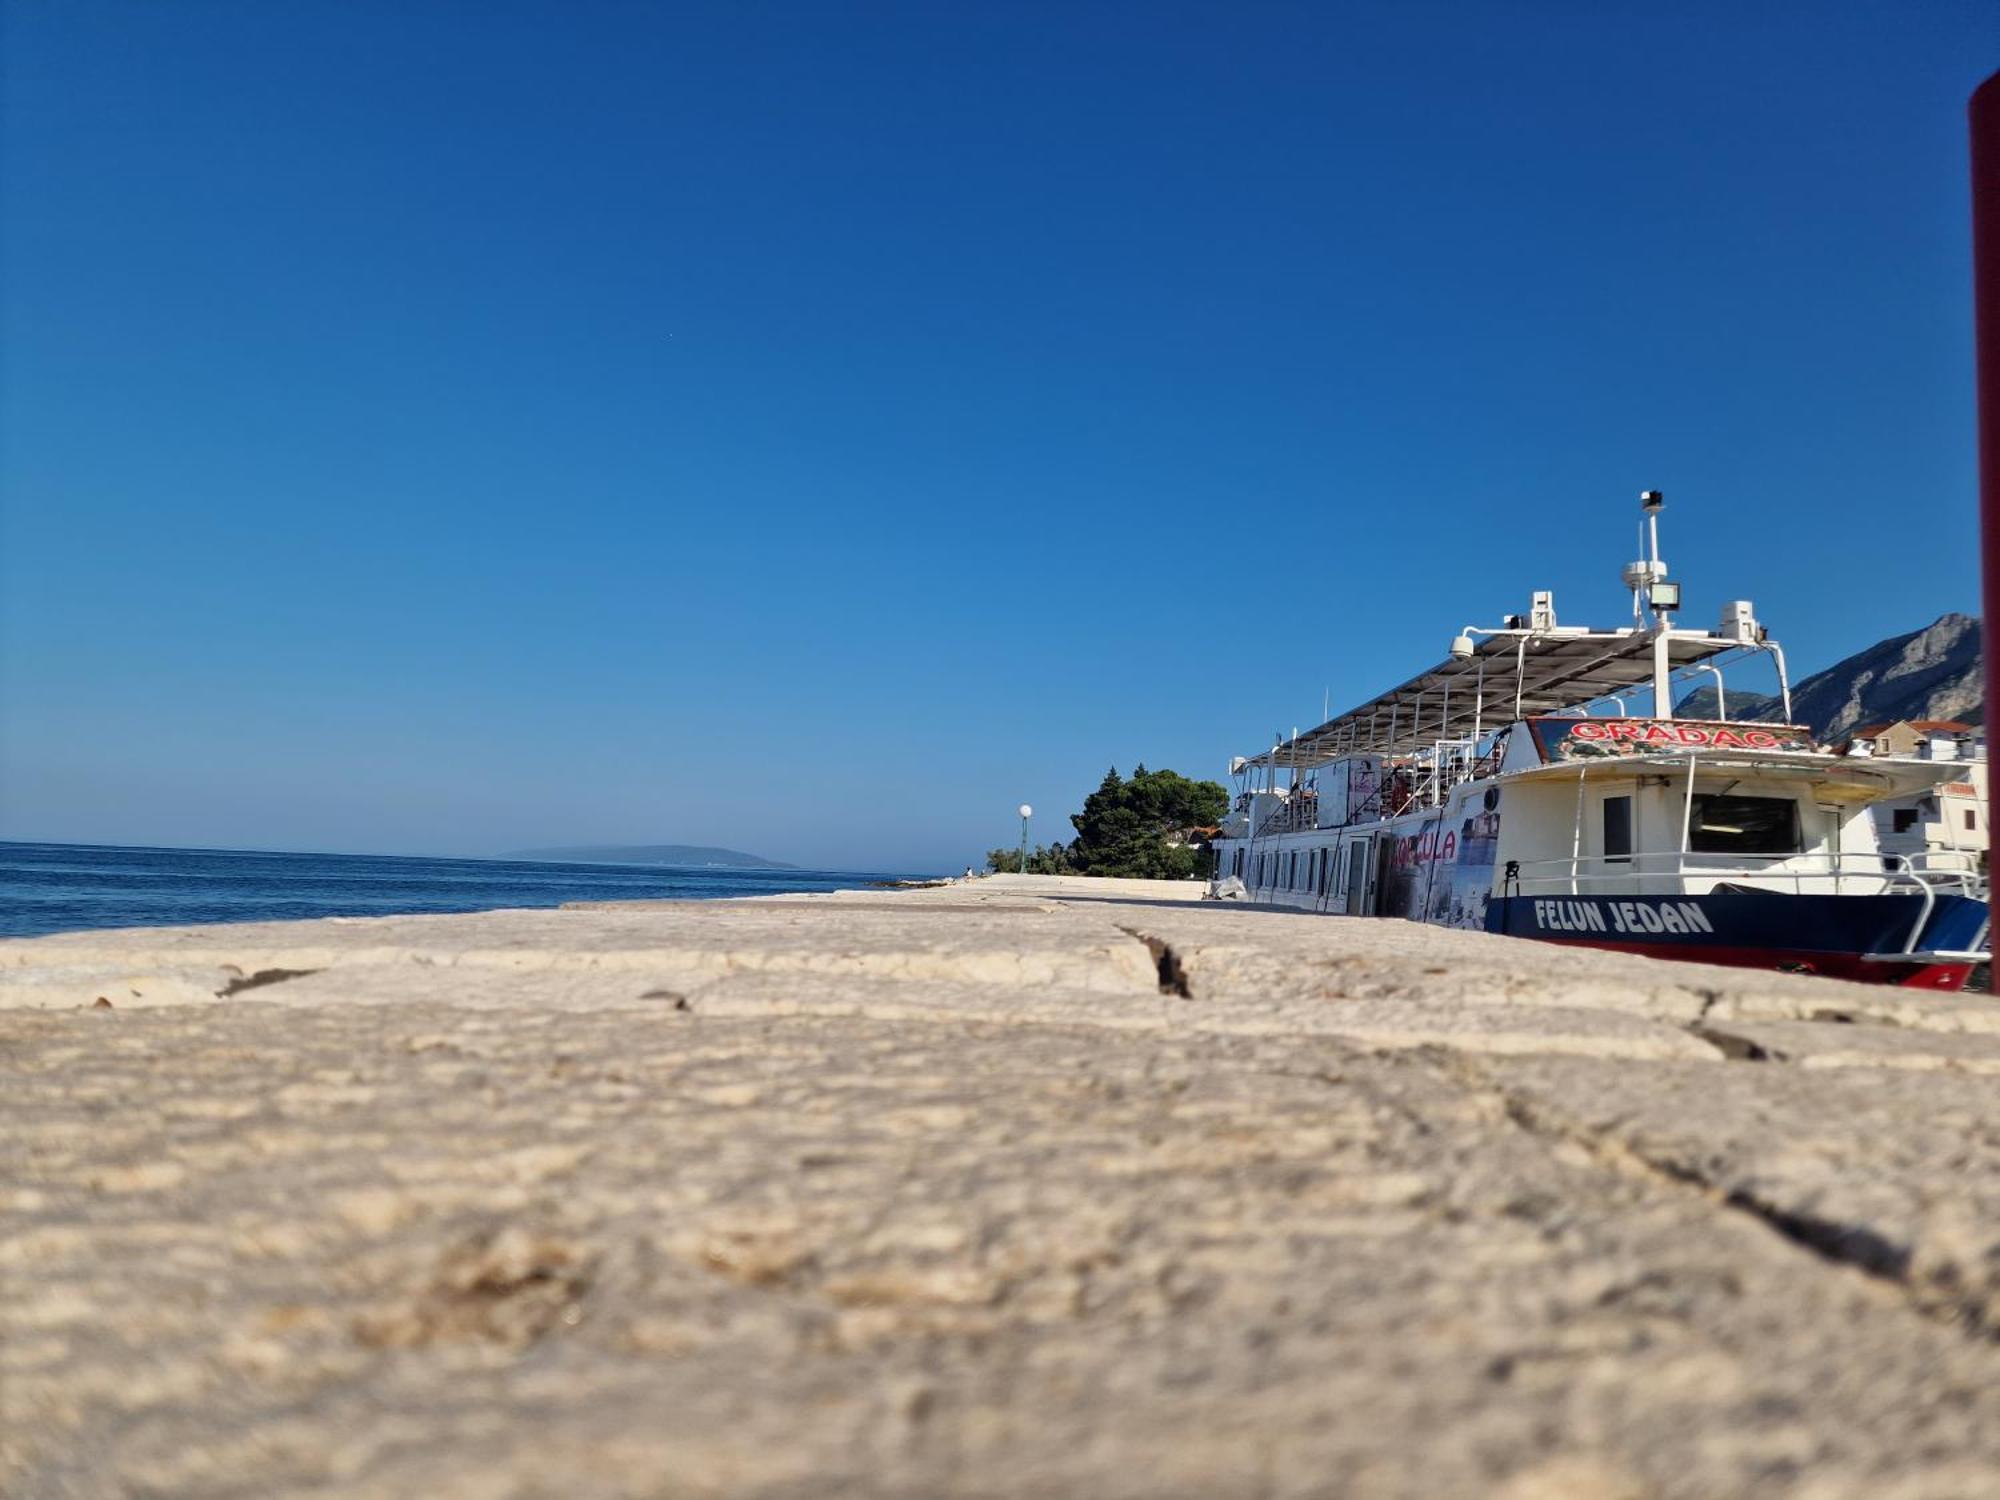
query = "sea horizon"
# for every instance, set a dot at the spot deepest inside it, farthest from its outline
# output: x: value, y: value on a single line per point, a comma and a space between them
x: 48, y: 887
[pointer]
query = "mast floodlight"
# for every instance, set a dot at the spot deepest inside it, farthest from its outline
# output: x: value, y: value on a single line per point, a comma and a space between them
x: 1652, y: 500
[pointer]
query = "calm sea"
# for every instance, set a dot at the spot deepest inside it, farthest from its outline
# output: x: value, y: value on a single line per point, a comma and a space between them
x: 58, y: 887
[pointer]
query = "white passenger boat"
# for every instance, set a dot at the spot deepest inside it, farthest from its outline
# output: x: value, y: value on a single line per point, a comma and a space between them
x: 1509, y: 789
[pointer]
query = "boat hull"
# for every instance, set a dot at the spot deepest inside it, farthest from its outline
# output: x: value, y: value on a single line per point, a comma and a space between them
x: 1843, y: 937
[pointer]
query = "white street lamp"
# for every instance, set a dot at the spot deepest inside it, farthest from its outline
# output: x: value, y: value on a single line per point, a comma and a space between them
x: 1027, y: 812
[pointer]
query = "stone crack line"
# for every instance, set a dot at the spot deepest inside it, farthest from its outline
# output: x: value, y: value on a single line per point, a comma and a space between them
x: 259, y: 979
x: 1173, y: 977
x: 1848, y: 1246
x: 1733, y: 1047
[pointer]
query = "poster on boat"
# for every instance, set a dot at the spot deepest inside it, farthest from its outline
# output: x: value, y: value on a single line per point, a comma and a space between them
x: 1348, y: 790
x: 1606, y: 739
x: 1407, y: 867
x: 1478, y: 813
x: 1439, y: 865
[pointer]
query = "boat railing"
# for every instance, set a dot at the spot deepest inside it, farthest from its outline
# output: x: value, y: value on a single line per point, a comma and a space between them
x: 1290, y: 816
x: 1913, y: 948
x: 1826, y: 871
x: 1409, y: 784
x: 1300, y: 814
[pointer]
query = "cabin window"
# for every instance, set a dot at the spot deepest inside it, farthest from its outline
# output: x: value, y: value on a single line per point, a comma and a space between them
x: 1905, y: 819
x: 1325, y: 871
x: 1618, y: 829
x: 1970, y: 820
x: 1743, y: 825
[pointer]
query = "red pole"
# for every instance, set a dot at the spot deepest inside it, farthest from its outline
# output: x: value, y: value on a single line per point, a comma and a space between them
x: 1984, y: 112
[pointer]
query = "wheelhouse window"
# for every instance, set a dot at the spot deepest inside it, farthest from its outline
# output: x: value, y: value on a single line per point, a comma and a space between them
x: 1743, y: 825
x: 1618, y: 829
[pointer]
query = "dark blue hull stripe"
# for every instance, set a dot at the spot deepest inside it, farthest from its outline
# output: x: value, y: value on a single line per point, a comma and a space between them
x: 1743, y: 919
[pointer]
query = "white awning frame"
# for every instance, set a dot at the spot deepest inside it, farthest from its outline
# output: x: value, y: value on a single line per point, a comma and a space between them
x: 1508, y: 675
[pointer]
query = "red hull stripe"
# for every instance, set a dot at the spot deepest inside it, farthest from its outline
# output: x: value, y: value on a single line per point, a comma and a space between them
x: 1796, y: 961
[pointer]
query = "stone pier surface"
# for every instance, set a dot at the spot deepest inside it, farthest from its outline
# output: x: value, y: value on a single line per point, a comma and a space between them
x: 1017, y: 1186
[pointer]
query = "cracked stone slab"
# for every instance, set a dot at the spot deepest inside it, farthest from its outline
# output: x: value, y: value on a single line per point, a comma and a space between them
x: 1227, y: 953
x: 768, y: 992
x: 964, y: 933
x: 346, y: 1251
x: 1843, y: 1004
x: 156, y: 966
x: 1374, y: 1024
x: 1819, y: 1045
x: 936, y: 1193
x: 1893, y: 1171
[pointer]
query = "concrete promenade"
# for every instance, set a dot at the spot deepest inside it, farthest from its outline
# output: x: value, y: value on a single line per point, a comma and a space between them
x: 1014, y: 1187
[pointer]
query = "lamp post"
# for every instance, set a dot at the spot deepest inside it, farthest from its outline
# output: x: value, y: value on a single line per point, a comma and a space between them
x: 1027, y: 812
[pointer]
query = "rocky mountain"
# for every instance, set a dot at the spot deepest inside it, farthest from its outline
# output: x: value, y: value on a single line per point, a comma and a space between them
x: 1933, y: 673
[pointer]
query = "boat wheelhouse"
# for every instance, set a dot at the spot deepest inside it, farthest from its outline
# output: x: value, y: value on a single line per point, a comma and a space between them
x: 1510, y: 788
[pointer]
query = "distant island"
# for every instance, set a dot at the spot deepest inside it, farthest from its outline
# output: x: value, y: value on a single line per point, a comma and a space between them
x: 654, y: 854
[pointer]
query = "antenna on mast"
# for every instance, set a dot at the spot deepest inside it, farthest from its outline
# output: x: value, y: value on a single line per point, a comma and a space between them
x: 1663, y: 598
x: 1647, y: 579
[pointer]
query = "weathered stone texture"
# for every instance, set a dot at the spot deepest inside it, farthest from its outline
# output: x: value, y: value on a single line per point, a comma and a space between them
x: 976, y: 1191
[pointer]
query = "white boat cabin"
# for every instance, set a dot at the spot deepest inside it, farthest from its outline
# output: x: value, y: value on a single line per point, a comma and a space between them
x: 1513, y: 768
x: 1566, y: 806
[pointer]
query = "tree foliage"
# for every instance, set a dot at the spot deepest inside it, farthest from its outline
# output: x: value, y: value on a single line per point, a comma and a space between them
x: 1149, y: 827
x: 1049, y: 859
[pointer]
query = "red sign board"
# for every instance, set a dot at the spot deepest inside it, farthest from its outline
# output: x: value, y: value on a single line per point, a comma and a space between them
x: 1595, y: 739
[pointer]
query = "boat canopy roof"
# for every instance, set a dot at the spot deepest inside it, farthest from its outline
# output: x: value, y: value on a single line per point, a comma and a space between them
x: 1832, y: 775
x: 1509, y: 675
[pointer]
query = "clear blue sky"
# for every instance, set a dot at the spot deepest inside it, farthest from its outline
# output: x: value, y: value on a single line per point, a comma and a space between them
x: 447, y: 428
